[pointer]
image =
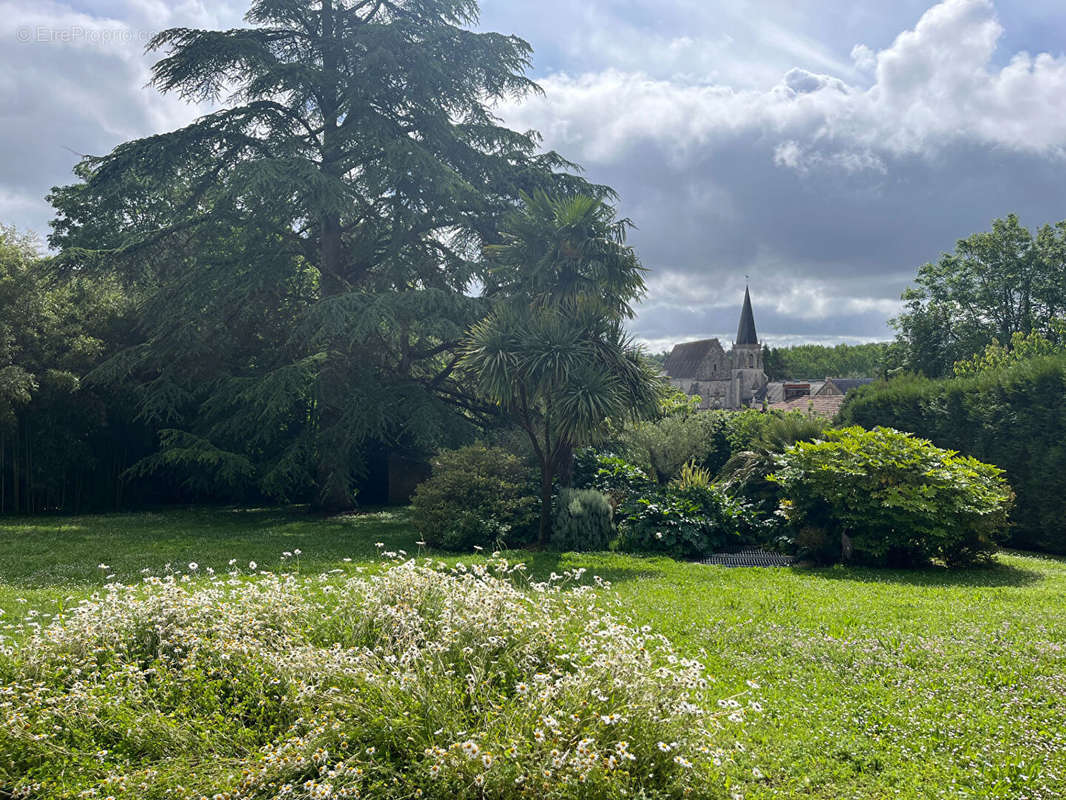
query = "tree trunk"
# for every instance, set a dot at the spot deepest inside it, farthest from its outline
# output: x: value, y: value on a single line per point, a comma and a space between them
x: 334, y: 468
x: 846, y: 549
x: 546, y: 481
x: 333, y: 473
x: 16, y: 486
x: 566, y: 468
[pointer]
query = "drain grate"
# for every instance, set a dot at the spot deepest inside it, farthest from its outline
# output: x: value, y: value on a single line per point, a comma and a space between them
x: 749, y: 558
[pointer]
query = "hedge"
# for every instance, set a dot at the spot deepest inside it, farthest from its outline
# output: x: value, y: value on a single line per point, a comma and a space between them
x: 1014, y: 418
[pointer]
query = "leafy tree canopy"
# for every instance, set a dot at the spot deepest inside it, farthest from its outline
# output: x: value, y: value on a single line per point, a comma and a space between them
x: 814, y: 361
x: 995, y: 284
x: 1022, y: 347
x: 52, y: 331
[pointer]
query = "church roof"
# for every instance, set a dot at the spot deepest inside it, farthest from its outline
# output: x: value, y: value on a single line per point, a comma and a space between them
x: 685, y: 359
x: 746, y: 330
x: 847, y: 384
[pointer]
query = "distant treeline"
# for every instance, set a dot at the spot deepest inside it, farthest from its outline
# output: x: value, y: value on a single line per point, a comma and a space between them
x: 815, y: 361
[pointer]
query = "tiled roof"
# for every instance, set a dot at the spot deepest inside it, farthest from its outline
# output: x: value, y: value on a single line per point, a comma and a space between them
x: 847, y: 384
x: 825, y: 406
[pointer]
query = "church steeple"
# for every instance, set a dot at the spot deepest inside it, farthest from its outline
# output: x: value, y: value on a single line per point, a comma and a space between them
x: 746, y: 330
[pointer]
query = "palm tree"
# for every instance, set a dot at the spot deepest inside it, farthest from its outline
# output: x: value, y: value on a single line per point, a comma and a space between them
x: 569, y: 250
x: 554, y: 354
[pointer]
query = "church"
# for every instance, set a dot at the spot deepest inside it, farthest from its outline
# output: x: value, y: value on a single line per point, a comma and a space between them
x: 732, y: 380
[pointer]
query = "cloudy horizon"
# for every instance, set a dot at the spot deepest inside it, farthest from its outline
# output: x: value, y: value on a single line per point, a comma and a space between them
x: 823, y: 148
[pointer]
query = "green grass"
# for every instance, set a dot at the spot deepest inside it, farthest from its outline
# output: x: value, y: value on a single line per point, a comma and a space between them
x: 45, y: 560
x: 877, y: 684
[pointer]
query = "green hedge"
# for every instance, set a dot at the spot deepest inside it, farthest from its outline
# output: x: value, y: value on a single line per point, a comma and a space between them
x: 1014, y: 418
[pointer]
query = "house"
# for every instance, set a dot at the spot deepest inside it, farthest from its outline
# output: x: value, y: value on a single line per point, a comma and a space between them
x: 821, y: 398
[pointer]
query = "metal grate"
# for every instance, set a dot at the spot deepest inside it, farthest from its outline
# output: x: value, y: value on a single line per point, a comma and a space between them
x: 749, y: 558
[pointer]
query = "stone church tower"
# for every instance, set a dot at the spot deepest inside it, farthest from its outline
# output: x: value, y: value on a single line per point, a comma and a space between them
x: 749, y: 379
x: 723, y: 380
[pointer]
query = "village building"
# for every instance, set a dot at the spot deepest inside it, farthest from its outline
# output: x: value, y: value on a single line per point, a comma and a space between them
x: 736, y: 379
x: 730, y: 380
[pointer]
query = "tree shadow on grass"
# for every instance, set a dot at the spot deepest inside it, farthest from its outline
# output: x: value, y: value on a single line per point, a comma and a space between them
x: 993, y: 575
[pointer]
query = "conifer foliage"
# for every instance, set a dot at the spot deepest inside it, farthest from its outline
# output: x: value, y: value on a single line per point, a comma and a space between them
x: 302, y: 255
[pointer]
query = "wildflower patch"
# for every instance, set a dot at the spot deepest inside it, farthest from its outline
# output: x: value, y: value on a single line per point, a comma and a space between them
x: 418, y: 681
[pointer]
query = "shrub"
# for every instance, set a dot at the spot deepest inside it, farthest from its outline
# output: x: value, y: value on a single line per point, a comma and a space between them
x: 608, y: 473
x: 688, y: 522
x: 661, y: 448
x: 477, y: 496
x: 707, y: 439
x: 886, y: 497
x: 694, y: 476
x: 745, y: 474
x: 584, y: 521
x: 466, y: 683
x: 742, y: 428
x: 1014, y: 418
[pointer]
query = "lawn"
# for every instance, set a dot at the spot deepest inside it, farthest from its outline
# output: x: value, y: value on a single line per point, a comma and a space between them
x: 876, y: 684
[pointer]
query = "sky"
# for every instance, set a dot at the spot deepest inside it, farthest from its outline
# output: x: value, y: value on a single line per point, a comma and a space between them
x: 820, y: 149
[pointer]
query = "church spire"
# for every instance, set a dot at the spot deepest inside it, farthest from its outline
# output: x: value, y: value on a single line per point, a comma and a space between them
x: 746, y: 330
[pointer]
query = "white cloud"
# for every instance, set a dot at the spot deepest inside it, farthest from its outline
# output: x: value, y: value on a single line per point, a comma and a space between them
x: 864, y: 58
x: 829, y: 193
x: 934, y: 84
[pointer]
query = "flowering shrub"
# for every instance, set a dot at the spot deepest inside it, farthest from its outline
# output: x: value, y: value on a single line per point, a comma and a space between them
x: 419, y: 681
x: 885, y: 497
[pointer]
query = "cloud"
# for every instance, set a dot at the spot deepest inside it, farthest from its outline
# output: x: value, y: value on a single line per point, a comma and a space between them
x: 74, y: 82
x: 814, y: 182
x: 813, y: 146
x: 864, y: 58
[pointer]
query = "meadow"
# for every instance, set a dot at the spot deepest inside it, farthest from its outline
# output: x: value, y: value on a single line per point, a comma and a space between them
x: 873, y: 683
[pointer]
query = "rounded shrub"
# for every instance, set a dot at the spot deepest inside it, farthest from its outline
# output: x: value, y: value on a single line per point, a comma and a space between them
x: 889, y: 498
x: 477, y: 496
x: 1012, y: 417
x: 584, y: 521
